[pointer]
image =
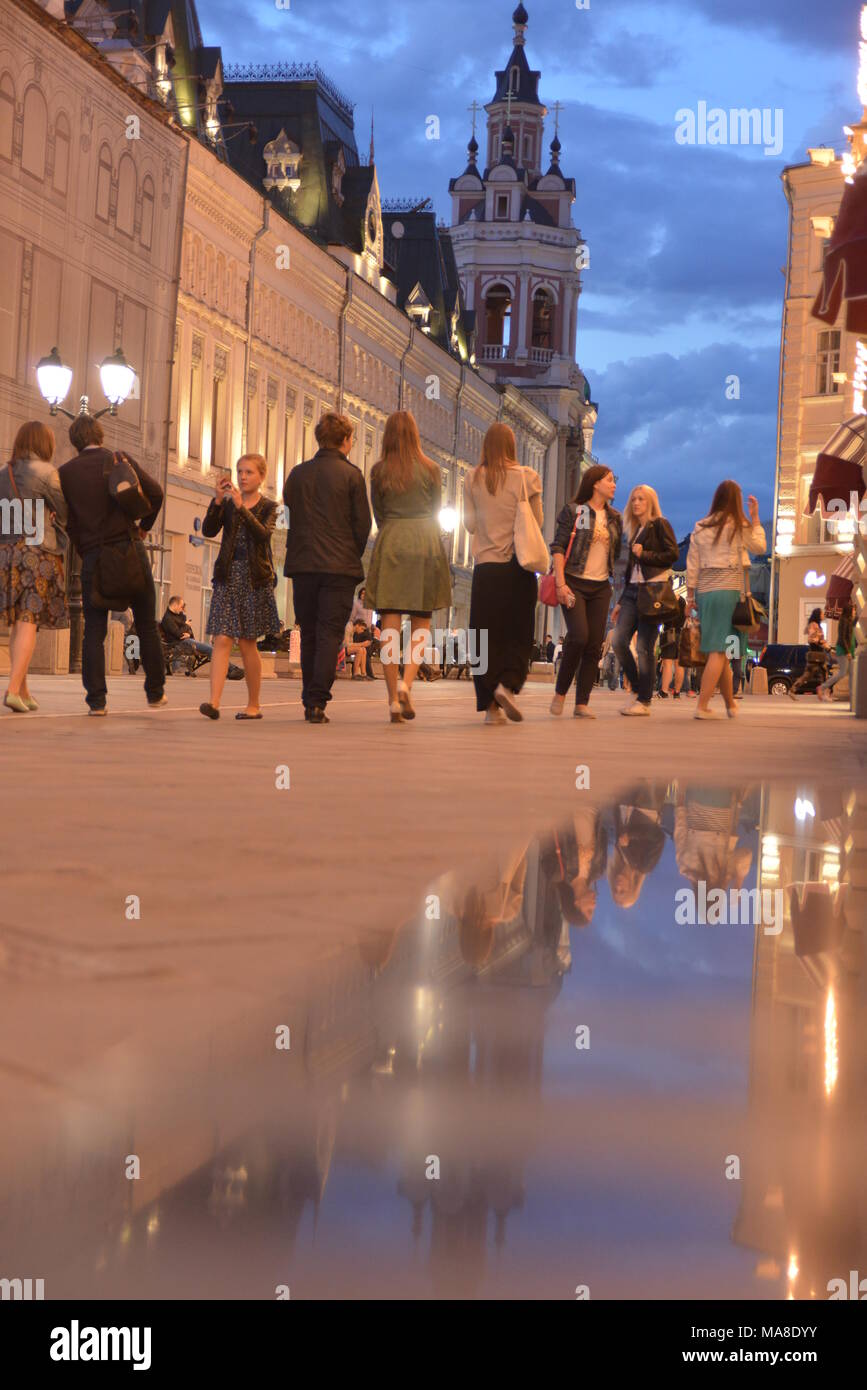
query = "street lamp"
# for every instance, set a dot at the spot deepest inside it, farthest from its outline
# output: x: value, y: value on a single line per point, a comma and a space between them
x: 54, y: 380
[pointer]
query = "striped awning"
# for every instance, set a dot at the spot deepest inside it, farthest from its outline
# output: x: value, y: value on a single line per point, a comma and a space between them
x: 839, y: 469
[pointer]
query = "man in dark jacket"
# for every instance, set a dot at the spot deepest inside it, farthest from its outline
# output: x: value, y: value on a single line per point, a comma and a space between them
x: 176, y: 629
x: 329, y: 525
x: 95, y: 520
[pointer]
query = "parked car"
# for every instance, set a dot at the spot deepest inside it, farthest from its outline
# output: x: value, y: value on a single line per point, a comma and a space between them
x: 784, y: 664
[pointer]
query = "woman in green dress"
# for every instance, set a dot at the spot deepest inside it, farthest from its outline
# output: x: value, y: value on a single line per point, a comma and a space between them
x: 409, y: 572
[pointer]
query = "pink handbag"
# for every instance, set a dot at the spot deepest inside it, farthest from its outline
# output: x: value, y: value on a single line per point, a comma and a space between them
x: 548, y: 585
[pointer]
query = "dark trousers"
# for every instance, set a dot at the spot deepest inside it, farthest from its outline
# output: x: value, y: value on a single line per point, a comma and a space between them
x: 96, y: 627
x: 585, y: 633
x: 323, y: 603
x: 641, y: 678
x: 502, y: 614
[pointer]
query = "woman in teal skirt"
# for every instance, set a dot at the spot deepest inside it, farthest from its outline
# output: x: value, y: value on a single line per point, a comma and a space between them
x: 719, y: 552
x: 409, y: 572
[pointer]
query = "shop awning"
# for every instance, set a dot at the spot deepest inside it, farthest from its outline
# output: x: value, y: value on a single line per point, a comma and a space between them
x: 845, y: 272
x: 840, y: 468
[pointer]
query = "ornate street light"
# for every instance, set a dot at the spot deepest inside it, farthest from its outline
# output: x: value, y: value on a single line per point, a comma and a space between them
x: 54, y: 380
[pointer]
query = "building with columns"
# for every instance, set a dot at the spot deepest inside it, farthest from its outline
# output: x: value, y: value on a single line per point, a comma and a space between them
x: 519, y: 259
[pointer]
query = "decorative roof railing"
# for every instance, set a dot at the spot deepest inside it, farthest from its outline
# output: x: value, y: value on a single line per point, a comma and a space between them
x: 289, y: 72
x: 407, y: 204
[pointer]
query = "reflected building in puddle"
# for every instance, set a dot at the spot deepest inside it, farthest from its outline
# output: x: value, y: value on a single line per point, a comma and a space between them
x: 439, y: 1129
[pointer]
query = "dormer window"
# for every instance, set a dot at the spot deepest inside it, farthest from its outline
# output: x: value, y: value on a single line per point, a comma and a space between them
x: 283, y: 161
x: 418, y: 308
x: 338, y: 169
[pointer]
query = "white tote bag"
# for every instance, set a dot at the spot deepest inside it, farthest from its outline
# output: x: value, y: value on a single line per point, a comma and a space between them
x: 530, y: 547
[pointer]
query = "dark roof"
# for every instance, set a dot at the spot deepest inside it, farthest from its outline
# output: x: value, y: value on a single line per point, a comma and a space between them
x: 424, y: 256
x: 537, y: 213
x: 321, y: 127
x: 528, y: 81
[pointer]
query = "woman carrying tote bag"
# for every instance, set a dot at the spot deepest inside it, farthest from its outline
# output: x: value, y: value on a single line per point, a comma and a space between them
x: 497, y: 498
x: 647, y: 599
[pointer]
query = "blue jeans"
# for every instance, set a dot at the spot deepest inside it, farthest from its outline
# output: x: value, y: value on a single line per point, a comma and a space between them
x: 641, y: 678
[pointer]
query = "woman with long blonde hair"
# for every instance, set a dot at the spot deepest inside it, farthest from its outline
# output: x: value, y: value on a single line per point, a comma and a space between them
x: 652, y: 552
x: 504, y: 596
x: 409, y: 571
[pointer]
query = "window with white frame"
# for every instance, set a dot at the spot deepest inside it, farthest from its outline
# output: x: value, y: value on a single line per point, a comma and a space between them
x: 827, y: 363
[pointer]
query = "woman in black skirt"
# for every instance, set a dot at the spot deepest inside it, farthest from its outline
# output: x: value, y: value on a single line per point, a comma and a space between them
x: 242, y: 605
x: 504, y: 596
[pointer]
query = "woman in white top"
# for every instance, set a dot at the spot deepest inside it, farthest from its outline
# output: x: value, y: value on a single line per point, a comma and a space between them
x: 714, y: 577
x: 504, y: 596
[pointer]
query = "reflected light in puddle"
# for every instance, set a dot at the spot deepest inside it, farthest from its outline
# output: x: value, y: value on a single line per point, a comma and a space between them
x: 832, y: 1063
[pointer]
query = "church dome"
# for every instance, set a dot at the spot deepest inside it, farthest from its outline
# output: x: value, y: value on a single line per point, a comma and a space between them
x: 520, y: 16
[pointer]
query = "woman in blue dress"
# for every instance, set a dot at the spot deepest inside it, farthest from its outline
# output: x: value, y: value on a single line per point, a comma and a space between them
x: 243, y: 608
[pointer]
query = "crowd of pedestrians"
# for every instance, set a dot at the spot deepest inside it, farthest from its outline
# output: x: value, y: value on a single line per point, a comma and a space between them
x: 106, y: 504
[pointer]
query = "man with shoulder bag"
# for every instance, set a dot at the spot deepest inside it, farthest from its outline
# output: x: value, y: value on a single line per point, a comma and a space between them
x: 113, y: 503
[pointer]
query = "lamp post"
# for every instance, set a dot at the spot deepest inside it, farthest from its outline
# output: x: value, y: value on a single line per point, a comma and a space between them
x: 54, y: 379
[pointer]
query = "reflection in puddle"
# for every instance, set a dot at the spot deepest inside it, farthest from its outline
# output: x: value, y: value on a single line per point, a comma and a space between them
x: 628, y: 1056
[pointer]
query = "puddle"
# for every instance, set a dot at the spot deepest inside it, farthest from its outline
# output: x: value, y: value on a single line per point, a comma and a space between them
x: 627, y: 1057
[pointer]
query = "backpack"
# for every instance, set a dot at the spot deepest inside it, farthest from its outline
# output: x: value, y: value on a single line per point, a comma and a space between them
x: 126, y: 490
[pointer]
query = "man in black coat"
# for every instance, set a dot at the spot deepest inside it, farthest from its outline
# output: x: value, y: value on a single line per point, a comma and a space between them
x: 95, y: 520
x: 328, y: 527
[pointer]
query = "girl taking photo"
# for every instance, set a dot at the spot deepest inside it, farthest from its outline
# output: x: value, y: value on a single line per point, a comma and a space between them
x: 242, y: 606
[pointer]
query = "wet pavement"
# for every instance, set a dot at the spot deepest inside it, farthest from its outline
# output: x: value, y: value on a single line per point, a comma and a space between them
x: 623, y: 1058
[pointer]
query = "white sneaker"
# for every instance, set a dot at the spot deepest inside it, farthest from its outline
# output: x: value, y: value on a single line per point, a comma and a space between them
x: 508, y: 703
x: 495, y: 716
x: 583, y: 712
x: 636, y: 710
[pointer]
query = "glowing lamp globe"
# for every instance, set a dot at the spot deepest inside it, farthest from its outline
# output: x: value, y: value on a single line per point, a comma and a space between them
x: 53, y: 378
x: 117, y: 378
x: 448, y: 520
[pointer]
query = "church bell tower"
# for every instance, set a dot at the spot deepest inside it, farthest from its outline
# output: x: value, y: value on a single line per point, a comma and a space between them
x: 520, y: 257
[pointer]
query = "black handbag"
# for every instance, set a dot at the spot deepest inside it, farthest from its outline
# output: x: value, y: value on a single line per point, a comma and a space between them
x: 121, y: 576
x: 657, y: 601
x: 747, y: 614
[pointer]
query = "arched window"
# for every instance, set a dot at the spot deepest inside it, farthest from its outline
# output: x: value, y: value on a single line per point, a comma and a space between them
x: 7, y: 115
x: 103, y: 184
x: 498, y: 316
x: 61, y: 155
x: 126, y: 191
x: 147, y: 213
x: 543, y: 319
x: 34, y: 133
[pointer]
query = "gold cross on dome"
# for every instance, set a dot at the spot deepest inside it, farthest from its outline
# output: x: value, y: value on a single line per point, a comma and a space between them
x: 557, y: 108
x: 475, y: 108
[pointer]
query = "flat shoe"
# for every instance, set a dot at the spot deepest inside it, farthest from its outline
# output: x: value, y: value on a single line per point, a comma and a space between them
x: 16, y: 704
x: 249, y: 717
x: 508, y: 704
x: 406, y: 708
x: 557, y: 705
x: 30, y: 702
x: 707, y: 714
x: 209, y: 711
x: 582, y: 712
